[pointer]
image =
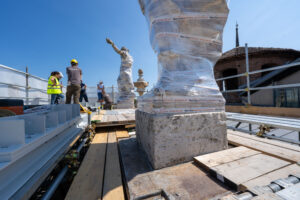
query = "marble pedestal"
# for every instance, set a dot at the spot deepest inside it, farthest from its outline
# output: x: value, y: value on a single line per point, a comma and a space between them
x: 170, y: 139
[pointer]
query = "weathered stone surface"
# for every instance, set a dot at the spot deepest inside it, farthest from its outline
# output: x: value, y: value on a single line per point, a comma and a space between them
x: 169, y: 139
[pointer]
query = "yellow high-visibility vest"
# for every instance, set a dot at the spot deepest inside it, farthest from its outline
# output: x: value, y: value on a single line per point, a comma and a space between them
x: 53, y: 89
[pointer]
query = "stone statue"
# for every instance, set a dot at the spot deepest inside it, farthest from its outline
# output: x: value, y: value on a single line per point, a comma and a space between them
x: 187, y: 36
x: 141, y: 84
x: 125, y: 83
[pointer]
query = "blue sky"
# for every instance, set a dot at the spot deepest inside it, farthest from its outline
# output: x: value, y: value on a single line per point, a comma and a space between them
x: 46, y: 34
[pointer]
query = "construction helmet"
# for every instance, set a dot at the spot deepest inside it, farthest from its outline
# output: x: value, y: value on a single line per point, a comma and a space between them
x: 74, y: 61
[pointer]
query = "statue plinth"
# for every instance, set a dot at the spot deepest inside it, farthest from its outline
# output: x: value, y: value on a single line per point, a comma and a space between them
x: 187, y: 36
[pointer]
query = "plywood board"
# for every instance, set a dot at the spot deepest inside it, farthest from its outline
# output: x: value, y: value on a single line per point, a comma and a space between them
x: 218, y: 158
x: 243, y: 170
x: 269, y: 149
x: 272, y: 176
x: 265, y: 140
x: 88, y: 183
x: 112, y: 188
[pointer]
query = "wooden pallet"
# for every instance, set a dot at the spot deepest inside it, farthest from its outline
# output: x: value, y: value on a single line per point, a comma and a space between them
x: 115, y: 118
x: 99, y: 171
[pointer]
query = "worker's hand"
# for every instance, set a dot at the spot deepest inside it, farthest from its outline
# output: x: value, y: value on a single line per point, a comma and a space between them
x: 109, y: 41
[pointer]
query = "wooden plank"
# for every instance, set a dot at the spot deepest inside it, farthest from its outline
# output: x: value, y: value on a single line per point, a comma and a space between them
x: 122, y: 134
x: 272, y: 176
x: 218, y: 158
x: 269, y: 149
x: 112, y: 188
x: 88, y: 183
x: 265, y: 140
x: 273, y: 111
x: 130, y: 126
x: 238, y: 172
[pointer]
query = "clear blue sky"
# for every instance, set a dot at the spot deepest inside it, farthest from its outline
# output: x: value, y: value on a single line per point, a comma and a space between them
x: 46, y: 34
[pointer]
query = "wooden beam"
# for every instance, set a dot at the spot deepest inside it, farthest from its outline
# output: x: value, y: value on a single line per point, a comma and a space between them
x: 273, y: 111
x: 221, y: 157
x: 269, y: 149
x: 130, y: 126
x: 112, y: 188
x: 265, y: 140
x: 88, y: 182
x: 122, y: 134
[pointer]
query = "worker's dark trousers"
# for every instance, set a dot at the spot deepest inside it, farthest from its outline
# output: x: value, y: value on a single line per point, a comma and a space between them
x: 73, y: 90
x: 83, y: 96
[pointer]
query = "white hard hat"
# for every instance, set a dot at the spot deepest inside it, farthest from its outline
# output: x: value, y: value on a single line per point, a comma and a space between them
x: 61, y: 74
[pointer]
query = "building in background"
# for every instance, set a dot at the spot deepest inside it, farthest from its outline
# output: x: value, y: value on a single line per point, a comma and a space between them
x: 233, y: 62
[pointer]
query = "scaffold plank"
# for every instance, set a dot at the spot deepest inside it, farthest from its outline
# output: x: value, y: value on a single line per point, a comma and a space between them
x: 88, y: 183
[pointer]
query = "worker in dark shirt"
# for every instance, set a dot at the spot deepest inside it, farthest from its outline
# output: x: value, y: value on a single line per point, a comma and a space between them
x: 74, y: 80
x: 83, y: 94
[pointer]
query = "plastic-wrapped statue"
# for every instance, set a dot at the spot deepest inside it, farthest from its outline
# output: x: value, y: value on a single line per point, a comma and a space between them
x: 187, y: 36
x: 125, y: 83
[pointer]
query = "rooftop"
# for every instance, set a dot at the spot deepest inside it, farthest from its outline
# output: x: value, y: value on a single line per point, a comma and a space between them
x: 240, y: 52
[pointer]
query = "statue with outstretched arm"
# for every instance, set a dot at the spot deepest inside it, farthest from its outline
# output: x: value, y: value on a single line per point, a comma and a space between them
x: 125, y: 83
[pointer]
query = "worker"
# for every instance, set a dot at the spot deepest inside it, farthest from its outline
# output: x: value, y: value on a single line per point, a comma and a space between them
x: 74, y: 79
x: 107, y: 101
x: 83, y: 94
x: 59, y: 98
x: 100, y: 89
x: 54, y: 87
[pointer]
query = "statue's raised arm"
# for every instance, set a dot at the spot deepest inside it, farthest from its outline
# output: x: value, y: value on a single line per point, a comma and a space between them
x: 114, y: 46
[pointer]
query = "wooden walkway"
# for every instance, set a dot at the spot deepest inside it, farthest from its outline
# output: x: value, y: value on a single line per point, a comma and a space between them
x: 114, y: 118
x: 99, y: 176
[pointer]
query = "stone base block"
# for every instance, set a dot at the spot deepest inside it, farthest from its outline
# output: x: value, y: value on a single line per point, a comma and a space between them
x: 170, y: 139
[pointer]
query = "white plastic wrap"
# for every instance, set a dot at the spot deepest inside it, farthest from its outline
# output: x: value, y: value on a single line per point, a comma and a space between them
x: 187, y: 36
x: 125, y: 83
x: 13, y: 82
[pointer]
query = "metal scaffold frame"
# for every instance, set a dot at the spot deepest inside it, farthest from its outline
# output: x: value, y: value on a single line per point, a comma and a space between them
x: 247, y: 74
x: 248, y: 89
x: 27, y: 87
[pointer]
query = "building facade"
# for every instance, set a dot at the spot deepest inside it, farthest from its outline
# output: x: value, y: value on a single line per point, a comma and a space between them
x: 233, y: 62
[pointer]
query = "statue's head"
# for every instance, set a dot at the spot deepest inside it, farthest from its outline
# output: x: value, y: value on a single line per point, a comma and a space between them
x: 140, y: 72
x: 124, y: 49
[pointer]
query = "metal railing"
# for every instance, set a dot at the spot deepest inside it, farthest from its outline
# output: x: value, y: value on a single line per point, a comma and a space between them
x: 247, y: 74
x: 248, y: 89
x: 26, y: 87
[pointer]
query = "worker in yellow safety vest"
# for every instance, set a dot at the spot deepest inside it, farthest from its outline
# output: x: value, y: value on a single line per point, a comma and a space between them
x: 54, y: 87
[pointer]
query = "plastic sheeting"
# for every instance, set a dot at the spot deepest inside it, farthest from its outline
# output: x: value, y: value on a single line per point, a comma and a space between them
x: 125, y: 83
x: 13, y: 85
x: 187, y: 36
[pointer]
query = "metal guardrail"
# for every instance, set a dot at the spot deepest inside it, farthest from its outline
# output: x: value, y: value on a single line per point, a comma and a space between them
x: 247, y: 74
x: 26, y: 86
